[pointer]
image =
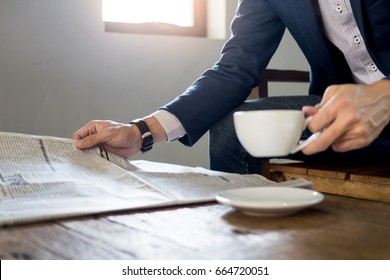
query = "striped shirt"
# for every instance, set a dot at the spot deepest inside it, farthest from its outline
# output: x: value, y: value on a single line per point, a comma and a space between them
x: 340, y: 27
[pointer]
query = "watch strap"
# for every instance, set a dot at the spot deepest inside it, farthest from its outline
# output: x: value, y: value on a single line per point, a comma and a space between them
x: 146, y: 135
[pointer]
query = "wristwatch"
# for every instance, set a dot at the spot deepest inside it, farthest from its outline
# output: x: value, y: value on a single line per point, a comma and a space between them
x: 146, y: 135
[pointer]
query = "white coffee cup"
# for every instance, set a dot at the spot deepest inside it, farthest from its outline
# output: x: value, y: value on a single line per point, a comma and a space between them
x: 271, y: 133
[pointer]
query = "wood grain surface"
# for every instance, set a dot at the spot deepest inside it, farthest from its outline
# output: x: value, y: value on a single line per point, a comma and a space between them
x: 338, y: 228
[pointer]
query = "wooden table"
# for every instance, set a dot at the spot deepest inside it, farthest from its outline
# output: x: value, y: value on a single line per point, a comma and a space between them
x: 338, y: 228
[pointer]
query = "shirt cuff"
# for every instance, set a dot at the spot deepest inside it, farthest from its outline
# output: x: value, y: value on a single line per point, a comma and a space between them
x: 171, y: 124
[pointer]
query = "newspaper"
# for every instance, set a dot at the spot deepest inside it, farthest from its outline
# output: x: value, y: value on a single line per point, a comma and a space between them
x: 47, y: 178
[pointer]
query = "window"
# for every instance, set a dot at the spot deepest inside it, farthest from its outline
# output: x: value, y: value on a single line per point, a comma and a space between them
x: 169, y: 17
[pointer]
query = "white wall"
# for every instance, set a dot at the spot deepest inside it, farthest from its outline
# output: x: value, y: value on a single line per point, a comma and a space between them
x: 59, y: 69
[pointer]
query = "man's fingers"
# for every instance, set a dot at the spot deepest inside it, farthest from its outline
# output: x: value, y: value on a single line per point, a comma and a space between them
x: 310, y: 110
x: 86, y: 142
x: 349, y: 145
x: 344, y: 134
x: 93, y: 140
x: 86, y: 130
x: 338, y: 129
x: 326, y: 112
x: 92, y: 134
x: 320, y: 144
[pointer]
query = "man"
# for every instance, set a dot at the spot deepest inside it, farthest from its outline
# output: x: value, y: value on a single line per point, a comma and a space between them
x: 347, y: 44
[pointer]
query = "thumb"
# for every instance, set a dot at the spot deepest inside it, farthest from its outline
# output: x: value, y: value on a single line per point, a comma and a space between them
x: 311, y: 110
x: 87, y: 142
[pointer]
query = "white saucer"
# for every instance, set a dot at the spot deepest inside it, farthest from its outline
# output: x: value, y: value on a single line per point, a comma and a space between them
x: 270, y: 201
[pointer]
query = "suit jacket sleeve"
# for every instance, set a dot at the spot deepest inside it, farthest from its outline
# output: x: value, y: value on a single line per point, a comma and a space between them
x: 256, y: 34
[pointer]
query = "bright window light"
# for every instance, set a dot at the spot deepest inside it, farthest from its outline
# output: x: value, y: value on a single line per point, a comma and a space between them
x: 176, y: 12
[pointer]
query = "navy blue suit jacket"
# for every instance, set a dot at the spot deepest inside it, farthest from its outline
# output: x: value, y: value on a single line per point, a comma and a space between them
x: 257, y: 30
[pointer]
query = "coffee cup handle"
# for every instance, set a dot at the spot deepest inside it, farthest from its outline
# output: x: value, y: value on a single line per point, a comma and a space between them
x: 303, y: 144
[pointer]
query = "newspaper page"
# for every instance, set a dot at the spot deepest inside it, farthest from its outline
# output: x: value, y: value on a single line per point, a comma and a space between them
x: 46, y: 178
x: 197, y: 183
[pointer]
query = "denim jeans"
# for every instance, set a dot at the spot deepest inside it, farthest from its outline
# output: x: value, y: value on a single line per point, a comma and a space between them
x: 226, y: 153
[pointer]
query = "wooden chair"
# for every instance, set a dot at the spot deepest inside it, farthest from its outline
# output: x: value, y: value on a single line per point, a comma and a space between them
x: 273, y: 75
x: 355, y: 179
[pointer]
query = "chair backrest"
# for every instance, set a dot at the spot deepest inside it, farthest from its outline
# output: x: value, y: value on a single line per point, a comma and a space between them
x: 273, y: 75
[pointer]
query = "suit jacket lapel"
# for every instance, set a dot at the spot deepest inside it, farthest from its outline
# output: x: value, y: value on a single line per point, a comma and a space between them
x: 357, y: 11
x: 305, y: 13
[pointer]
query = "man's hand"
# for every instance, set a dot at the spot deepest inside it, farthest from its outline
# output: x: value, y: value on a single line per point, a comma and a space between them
x: 349, y: 116
x: 121, y: 139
